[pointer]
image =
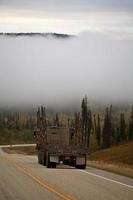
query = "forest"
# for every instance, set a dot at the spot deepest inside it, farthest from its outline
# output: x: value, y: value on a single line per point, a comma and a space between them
x: 100, y: 130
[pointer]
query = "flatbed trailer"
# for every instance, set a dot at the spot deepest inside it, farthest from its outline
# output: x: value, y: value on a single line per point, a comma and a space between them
x: 56, y: 144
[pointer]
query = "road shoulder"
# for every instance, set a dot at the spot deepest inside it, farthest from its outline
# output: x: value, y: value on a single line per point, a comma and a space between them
x: 118, y: 169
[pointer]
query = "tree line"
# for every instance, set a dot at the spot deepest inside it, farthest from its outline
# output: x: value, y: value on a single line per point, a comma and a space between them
x: 107, y: 128
x: 16, y: 128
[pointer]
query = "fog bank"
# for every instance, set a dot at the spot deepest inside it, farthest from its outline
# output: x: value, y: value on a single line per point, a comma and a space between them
x: 59, y: 72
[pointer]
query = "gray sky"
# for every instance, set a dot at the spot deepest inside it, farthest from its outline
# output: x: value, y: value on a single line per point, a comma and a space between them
x: 66, y: 16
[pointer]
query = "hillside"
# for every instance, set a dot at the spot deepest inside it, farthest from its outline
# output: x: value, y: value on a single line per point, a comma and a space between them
x: 117, y: 159
x: 56, y: 35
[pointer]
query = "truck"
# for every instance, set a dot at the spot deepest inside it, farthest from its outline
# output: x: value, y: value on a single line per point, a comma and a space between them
x: 57, y: 143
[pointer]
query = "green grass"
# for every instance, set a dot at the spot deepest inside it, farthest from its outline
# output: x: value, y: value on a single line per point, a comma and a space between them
x: 8, y: 136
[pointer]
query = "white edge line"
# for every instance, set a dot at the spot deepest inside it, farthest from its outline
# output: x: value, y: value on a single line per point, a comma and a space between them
x: 107, y: 179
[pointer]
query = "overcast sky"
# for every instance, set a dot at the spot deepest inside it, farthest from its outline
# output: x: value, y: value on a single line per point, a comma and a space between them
x: 67, y: 16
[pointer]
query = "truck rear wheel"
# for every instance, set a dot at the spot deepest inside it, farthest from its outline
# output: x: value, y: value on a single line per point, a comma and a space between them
x: 43, y: 158
x: 48, y: 164
x: 40, y: 157
x: 80, y: 166
x: 53, y: 165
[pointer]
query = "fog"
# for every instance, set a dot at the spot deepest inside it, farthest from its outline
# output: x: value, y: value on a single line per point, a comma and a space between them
x: 59, y: 72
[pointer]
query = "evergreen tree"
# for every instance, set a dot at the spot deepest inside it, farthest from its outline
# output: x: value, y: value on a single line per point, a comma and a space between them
x: 118, y: 139
x: 130, y: 131
x: 84, y: 119
x: 94, y: 125
x: 122, y: 127
x: 57, y: 120
x: 107, y: 130
x: 86, y: 122
x: 98, y: 131
x: 89, y: 126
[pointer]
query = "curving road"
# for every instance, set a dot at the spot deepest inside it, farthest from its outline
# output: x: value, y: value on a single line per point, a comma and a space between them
x: 22, y: 178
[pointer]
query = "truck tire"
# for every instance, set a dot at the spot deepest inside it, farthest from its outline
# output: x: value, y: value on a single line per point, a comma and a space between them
x: 72, y: 161
x: 40, y: 157
x: 48, y: 163
x: 81, y: 166
x: 44, y: 158
x: 53, y: 165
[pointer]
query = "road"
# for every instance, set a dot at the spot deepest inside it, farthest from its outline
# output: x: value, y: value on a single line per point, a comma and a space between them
x: 22, y: 178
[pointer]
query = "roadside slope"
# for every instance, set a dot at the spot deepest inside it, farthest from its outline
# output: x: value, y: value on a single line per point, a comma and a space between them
x: 117, y: 159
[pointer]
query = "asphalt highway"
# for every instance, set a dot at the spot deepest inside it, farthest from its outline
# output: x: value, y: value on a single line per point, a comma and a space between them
x: 22, y: 178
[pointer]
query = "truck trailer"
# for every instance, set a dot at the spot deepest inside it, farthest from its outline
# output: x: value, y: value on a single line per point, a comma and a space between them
x: 57, y: 143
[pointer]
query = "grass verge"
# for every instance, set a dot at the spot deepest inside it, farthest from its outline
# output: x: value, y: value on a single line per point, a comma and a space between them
x: 118, y: 159
x: 25, y: 150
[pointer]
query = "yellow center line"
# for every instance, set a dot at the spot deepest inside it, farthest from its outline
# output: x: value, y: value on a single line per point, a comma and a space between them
x: 39, y: 180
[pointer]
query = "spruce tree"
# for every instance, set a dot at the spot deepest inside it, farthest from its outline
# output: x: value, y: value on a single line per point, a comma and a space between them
x: 89, y: 126
x: 86, y: 123
x: 118, y: 138
x: 107, y: 130
x: 84, y: 119
x: 57, y: 123
x: 98, y: 131
x: 122, y: 127
x: 130, y: 130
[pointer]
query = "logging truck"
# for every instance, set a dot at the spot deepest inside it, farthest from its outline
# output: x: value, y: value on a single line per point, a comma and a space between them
x: 58, y: 144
